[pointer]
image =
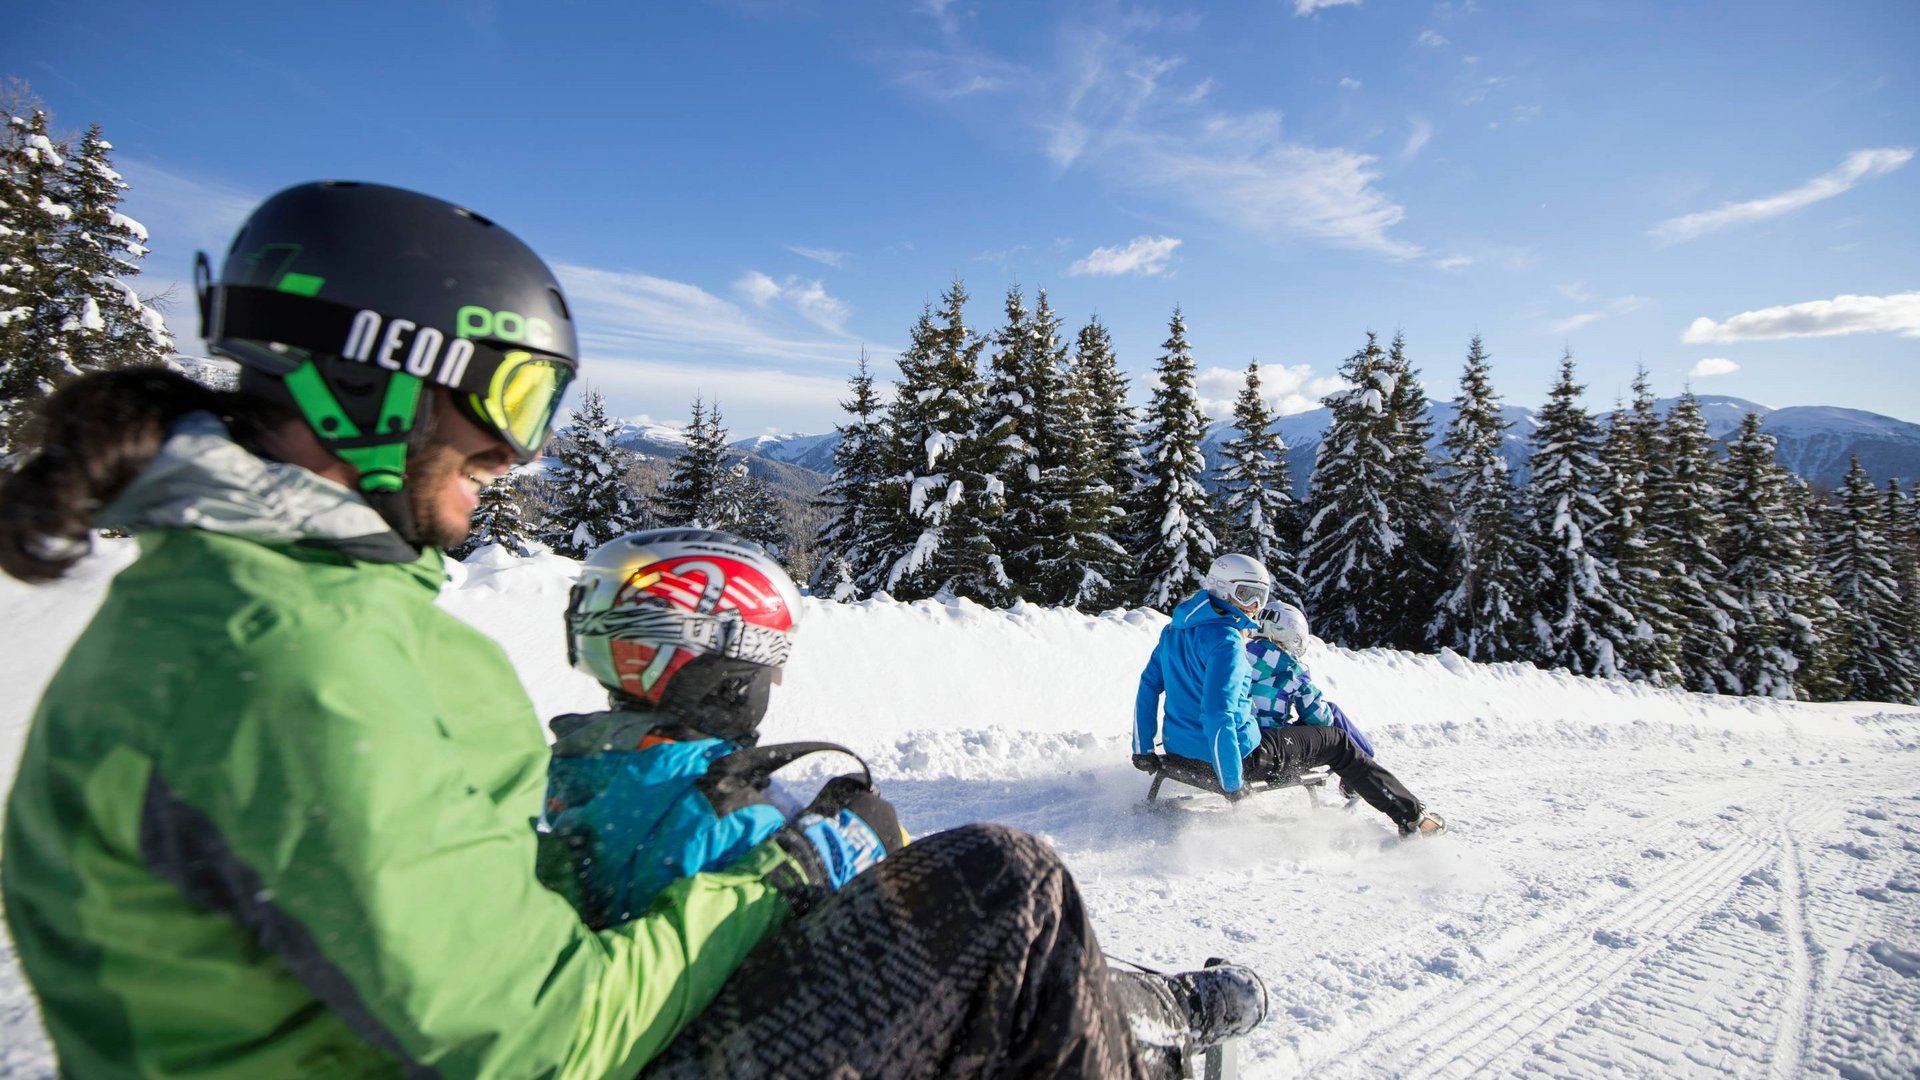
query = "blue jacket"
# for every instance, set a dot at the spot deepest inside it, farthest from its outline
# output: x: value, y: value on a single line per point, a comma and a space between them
x: 1200, y: 664
x: 1282, y: 685
x: 625, y: 801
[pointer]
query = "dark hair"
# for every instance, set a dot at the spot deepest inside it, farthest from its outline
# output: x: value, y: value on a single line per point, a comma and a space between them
x: 94, y: 436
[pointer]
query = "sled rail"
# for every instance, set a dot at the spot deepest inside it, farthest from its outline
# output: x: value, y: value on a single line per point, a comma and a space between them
x: 1195, y: 773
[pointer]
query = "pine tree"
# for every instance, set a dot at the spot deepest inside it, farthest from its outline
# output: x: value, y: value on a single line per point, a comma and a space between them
x: 1351, y: 538
x: 1485, y: 614
x: 1257, y: 512
x: 498, y: 520
x: 33, y: 214
x: 1578, y: 622
x: 1023, y: 380
x: 848, y: 497
x: 1903, y: 535
x: 591, y: 503
x: 1818, y: 624
x: 1872, y: 663
x: 1685, y: 525
x: 1099, y: 453
x: 691, y: 494
x: 746, y: 506
x: 1651, y: 650
x: 108, y: 325
x: 1766, y: 556
x: 939, y: 498
x: 1413, y: 506
x: 1167, y: 525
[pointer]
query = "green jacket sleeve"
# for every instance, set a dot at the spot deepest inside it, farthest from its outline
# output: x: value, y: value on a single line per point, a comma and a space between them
x: 371, y: 837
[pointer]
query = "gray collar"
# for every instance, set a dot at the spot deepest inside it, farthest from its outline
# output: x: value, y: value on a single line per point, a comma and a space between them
x: 202, y: 479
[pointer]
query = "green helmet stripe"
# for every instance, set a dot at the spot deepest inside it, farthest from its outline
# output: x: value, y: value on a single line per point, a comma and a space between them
x: 382, y: 465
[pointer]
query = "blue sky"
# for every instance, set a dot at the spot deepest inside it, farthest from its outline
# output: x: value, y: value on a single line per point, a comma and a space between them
x: 741, y: 194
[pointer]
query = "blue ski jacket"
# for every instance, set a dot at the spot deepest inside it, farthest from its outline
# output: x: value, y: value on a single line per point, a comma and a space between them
x: 1200, y: 665
x: 625, y: 800
x: 1282, y: 686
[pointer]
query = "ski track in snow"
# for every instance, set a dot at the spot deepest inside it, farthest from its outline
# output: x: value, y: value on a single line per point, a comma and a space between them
x: 1637, y: 882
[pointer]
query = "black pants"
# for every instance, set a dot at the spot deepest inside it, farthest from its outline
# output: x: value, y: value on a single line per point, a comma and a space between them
x: 966, y: 954
x: 1287, y: 751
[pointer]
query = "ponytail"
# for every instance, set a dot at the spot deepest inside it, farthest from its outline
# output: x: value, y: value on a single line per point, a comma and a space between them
x: 95, y: 435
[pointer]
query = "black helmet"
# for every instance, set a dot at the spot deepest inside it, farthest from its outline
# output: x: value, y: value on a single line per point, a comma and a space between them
x: 355, y: 297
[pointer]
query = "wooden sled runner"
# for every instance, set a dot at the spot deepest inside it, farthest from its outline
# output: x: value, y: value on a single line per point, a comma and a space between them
x: 1195, y: 773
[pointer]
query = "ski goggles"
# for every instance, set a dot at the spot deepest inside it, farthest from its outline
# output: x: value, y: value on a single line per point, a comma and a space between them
x: 519, y: 401
x: 1248, y: 594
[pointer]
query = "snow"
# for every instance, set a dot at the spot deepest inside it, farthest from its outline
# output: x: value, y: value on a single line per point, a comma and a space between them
x: 1638, y: 882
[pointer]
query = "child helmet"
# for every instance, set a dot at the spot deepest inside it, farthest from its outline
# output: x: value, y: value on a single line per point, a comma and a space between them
x: 694, y: 623
x: 350, y: 299
x: 1240, y: 580
x: 1284, y: 625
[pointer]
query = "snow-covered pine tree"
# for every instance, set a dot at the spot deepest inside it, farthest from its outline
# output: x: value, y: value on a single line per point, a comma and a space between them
x: 1350, y: 536
x: 1167, y: 527
x: 1685, y: 525
x: 1257, y: 512
x: 1486, y: 612
x: 108, y: 325
x: 1578, y: 621
x: 938, y: 497
x: 1413, y: 507
x: 1099, y: 455
x: 1767, y: 562
x: 498, y: 520
x: 33, y: 215
x: 591, y: 503
x: 1651, y: 651
x: 746, y: 506
x: 1871, y: 661
x: 1814, y: 634
x: 848, y: 497
x: 690, y: 494
x: 1903, y: 536
x: 1022, y: 379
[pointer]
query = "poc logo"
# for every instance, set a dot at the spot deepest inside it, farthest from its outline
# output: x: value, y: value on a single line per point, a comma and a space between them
x: 478, y: 322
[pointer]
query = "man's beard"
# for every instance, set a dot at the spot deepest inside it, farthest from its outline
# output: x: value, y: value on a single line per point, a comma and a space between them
x: 429, y: 469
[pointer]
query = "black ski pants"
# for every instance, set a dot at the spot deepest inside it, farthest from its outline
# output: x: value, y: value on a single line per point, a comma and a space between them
x: 1287, y: 751
x: 966, y: 954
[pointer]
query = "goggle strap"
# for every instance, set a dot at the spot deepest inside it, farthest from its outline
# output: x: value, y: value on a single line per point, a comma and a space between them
x: 660, y: 625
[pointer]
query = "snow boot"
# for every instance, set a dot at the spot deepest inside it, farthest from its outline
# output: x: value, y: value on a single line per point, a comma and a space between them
x: 1178, y: 1020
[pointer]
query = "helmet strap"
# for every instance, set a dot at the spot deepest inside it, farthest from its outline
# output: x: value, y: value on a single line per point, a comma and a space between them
x: 380, y: 457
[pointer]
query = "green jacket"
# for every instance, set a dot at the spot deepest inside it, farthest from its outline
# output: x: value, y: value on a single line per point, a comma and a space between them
x: 273, y: 819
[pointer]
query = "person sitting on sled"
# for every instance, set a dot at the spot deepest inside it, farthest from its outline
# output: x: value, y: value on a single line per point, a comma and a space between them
x: 687, y: 629
x: 1200, y: 665
x: 1283, y: 689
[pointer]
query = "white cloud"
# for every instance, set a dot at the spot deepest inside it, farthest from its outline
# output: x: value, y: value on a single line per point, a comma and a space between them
x: 1105, y: 108
x: 1896, y: 314
x: 835, y: 259
x: 1348, y: 82
x: 1431, y: 38
x: 640, y: 316
x: 1286, y: 390
x: 1453, y: 262
x: 1417, y: 138
x: 1145, y: 256
x: 1308, y: 7
x: 1618, y: 306
x: 809, y: 298
x: 1860, y: 165
x: 1713, y: 365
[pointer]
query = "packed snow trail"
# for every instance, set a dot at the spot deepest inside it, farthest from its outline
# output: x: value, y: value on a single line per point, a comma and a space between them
x: 1637, y: 882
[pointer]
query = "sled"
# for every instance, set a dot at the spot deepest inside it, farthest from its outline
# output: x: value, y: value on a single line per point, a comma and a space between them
x: 1195, y: 773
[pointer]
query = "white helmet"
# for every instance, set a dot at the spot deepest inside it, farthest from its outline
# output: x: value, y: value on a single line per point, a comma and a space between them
x: 1284, y: 625
x: 1240, y: 580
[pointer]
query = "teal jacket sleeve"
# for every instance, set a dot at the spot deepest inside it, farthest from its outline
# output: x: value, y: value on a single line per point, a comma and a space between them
x: 1224, y: 706
x: 1146, y: 701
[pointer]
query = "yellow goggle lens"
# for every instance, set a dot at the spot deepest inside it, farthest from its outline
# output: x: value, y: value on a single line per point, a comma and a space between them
x: 523, y: 396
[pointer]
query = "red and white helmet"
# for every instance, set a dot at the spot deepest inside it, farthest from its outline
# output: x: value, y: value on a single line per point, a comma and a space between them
x: 650, y: 604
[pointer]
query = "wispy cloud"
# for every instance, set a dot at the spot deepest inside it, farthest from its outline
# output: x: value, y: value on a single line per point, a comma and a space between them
x: 1144, y: 256
x: 1286, y: 390
x: 809, y: 298
x: 1431, y: 38
x: 1115, y: 104
x: 639, y: 315
x: 1896, y: 314
x: 1860, y: 165
x: 1308, y: 7
x: 1453, y: 262
x: 1417, y: 138
x: 1711, y: 366
x: 1619, y: 306
x: 1348, y: 82
x: 835, y: 259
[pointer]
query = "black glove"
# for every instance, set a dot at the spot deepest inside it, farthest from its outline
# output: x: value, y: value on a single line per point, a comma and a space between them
x: 856, y: 795
x: 1238, y: 793
x: 1147, y: 762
